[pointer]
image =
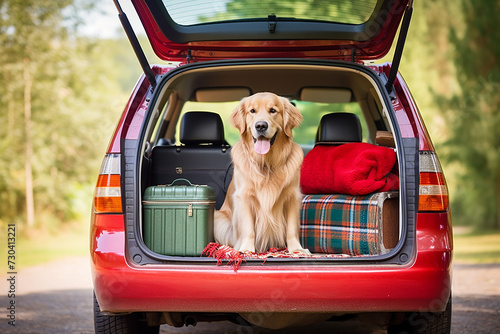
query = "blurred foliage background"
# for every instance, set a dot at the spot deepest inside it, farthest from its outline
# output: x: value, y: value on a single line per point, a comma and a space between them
x: 62, y: 93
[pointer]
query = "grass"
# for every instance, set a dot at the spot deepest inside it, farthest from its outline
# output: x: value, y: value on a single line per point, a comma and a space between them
x: 38, y: 246
x: 471, y: 248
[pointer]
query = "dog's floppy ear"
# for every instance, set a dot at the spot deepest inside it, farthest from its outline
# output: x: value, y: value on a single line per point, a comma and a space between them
x: 238, y: 117
x: 291, y: 116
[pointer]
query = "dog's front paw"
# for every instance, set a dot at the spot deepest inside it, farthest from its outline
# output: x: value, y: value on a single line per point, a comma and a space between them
x: 246, y: 247
x: 245, y: 250
x: 301, y: 251
x: 294, y: 246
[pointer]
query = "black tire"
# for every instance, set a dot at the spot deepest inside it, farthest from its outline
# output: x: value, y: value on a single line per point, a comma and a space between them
x: 425, y: 323
x: 134, y: 323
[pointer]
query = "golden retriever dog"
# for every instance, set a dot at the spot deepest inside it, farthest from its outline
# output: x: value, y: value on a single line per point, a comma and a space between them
x: 262, y: 205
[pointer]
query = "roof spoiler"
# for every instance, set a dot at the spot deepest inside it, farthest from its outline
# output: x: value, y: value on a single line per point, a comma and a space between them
x: 136, y: 45
x: 405, y: 24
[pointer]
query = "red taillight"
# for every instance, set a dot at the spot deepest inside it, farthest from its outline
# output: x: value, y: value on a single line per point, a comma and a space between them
x: 107, y: 196
x: 433, y: 193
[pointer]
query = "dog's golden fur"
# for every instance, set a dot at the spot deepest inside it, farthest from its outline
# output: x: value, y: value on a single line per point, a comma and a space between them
x: 262, y: 206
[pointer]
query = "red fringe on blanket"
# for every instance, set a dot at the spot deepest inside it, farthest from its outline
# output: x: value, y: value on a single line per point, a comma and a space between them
x: 235, y: 258
x: 223, y: 252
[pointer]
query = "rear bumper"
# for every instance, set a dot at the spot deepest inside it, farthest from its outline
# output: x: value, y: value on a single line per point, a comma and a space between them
x: 424, y: 285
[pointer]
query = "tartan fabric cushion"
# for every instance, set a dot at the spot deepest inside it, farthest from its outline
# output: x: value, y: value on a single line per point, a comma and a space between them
x: 341, y: 224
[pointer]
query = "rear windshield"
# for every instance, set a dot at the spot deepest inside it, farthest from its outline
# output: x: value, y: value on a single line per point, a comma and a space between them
x: 194, y: 12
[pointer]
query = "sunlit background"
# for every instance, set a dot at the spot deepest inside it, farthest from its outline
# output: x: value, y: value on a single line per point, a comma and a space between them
x: 67, y: 70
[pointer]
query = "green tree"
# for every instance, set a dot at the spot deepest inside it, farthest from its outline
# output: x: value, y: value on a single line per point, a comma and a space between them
x: 473, y: 117
x: 27, y: 30
x: 60, y: 101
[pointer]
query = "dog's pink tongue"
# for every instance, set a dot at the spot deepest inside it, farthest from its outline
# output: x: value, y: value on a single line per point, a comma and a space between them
x: 262, y: 145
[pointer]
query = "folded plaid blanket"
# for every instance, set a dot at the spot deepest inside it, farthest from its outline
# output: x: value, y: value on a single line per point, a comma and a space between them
x: 343, y: 224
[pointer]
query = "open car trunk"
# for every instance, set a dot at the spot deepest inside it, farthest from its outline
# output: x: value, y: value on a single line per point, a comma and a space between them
x: 368, y: 227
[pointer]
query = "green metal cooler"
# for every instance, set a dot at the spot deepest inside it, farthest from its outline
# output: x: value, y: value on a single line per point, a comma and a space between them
x: 178, y: 219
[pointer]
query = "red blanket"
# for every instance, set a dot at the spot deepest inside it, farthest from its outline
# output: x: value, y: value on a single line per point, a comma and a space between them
x: 353, y: 169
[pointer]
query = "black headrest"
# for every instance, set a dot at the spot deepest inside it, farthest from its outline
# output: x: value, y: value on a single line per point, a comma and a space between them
x: 201, y: 127
x: 339, y: 127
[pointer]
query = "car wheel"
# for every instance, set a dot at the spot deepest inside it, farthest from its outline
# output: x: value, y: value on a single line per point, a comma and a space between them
x: 425, y: 323
x: 121, y: 324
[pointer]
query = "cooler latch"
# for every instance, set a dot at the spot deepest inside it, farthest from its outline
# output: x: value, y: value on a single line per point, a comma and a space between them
x: 190, y: 210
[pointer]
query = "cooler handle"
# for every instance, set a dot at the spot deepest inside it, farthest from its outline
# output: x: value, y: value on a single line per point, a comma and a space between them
x: 180, y: 179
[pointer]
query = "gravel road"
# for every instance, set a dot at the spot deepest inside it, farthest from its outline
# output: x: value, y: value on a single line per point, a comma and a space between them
x: 57, y: 298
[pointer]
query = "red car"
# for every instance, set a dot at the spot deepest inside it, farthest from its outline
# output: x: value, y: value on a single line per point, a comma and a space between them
x: 393, y: 267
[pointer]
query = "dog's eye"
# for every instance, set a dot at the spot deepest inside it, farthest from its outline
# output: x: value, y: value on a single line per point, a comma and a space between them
x: 272, y: 110
x: 252, y: 111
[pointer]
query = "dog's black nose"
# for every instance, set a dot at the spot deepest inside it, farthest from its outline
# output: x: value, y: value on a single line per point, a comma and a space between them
x: 261, y: 126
